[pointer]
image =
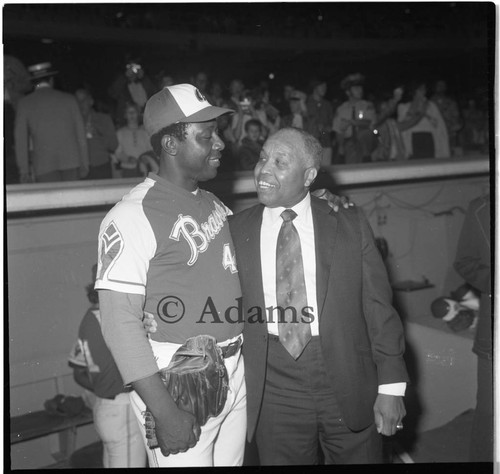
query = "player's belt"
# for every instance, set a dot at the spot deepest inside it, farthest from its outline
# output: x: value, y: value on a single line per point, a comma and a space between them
x: 233, y: 348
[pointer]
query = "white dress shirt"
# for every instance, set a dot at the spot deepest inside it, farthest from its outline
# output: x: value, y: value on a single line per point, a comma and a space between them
x: 271, y: 225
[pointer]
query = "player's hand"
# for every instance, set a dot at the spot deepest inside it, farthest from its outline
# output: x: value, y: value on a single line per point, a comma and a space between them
x: 389, y: 411
x: 334, y: 201
x: 149, y: 323
x: 176, y: 431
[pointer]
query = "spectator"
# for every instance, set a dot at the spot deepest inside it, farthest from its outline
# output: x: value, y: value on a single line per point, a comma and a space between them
x: 131, y: 86
x: 133, y: 141
x: 450, y: 113
x: 297, y: 116
x: 216, y: 95
x: 148, y: 163
x: 236, y: 88
x: 265, y: 112
x: 164, y: 80
x: 251, y: 145
x: 282, y: 103
x: 428, y: 137
x: 474, y: 133
x: 101, y: 136
x: 49, y: 129
x: 354, y: 121
x: 320, y: 117
x: 9, y: 151
x: 390, y: 145
x: 236, y: 102
x: 473, y: 264
x: 246, y: 110
x: 95, y: 369
x: 16, y: 80
x: 201, y: 82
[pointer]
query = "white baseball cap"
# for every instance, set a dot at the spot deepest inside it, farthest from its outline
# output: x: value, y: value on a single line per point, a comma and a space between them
x: 178, y: 103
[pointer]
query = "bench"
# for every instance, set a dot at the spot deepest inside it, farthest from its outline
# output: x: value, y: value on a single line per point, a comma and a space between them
x: 40, y: 423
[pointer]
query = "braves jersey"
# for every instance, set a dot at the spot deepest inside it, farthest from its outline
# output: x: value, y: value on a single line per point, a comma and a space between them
x: 91, y: 352
x: 174, y: 247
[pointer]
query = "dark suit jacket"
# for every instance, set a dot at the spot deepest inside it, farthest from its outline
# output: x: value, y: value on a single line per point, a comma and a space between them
x: 473, y: 263
x: 361, y: 334
x: 54, y: 123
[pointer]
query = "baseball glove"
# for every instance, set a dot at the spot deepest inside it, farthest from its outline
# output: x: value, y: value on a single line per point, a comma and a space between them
x: 197, y: 381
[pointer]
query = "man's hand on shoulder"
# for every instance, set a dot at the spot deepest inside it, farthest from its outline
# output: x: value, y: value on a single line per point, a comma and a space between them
x: 334, y: 201
x: 149, y: 322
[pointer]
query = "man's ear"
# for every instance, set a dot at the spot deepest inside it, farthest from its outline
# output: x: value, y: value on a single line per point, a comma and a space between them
x: 309, y: 176
x: 169, y: 144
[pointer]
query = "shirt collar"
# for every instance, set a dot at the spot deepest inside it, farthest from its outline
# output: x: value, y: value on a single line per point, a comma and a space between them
x: 301, y: 209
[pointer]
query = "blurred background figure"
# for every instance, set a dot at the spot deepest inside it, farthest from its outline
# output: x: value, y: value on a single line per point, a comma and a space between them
x: 282, y: 102
x: 148, y: 163
x: 354, y: 122
x: 202, y: 83
x: 390, y: 146
x: 16, y: 83
x: 130, y: 86
x: 428, y: 137
x: 451, y: 115
x: 251, y: 145
x: 296, y: 116
x: 264, y: 111
x: 101, y: 136
x: 95, y: 370
x: 216, y: 95
x: 320, y: 118
x: 50, y: 136
x: 474, y: 133
x: 164, y: 80
x: 473, y: 264
x: 133, y: 141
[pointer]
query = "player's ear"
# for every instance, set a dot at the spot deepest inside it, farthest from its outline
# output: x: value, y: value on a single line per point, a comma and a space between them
x: 309, y: 176
x: 169, y: 144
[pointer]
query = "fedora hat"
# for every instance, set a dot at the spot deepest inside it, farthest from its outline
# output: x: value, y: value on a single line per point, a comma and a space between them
x: 41, y: 70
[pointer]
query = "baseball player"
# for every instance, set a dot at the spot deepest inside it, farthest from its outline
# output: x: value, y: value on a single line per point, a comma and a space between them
x: 165, y: 248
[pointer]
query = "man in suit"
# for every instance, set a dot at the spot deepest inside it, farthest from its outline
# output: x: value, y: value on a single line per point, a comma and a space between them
x: 334, y: 377
x: 50, y: 121
x: 473, y: 264
x: 101, y: 136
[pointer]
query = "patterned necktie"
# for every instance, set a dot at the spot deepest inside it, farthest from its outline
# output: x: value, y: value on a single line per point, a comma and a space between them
x: 291, y: 287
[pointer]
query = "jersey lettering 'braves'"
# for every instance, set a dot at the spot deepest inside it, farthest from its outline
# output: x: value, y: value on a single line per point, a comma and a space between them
x: 162, y: 241
x: 199, y: 238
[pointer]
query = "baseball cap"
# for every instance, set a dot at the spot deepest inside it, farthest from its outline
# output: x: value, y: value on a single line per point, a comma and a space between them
x: 178, y: 103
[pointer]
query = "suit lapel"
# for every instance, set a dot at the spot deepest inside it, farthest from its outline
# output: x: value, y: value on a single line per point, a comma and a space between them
x: 252, y: 262
x: 325, y: 233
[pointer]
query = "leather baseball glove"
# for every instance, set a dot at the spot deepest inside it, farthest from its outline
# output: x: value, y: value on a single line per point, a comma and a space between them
x: 197, y: 381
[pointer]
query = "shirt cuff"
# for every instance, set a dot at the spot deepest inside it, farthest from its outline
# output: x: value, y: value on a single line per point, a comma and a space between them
x: 396, y: 389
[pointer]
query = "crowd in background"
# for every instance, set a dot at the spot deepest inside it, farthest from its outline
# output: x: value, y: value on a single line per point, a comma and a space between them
x: 408, y: 121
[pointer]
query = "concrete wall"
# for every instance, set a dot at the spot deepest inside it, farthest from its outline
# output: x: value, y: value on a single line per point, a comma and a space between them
x: 49, y: 262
